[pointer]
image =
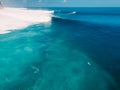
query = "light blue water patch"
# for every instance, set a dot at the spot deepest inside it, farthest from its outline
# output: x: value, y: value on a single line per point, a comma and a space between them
x: 18, y: 49
x: 38, y: 58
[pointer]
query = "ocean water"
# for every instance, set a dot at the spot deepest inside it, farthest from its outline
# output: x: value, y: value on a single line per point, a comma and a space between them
x: 78, y: 50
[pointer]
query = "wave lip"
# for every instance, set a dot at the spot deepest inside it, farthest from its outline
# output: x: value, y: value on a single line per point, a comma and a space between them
x: 15, y: 18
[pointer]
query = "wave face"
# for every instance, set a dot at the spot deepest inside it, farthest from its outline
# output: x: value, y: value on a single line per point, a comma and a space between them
x: 108, y: 16
x: 63, y: 55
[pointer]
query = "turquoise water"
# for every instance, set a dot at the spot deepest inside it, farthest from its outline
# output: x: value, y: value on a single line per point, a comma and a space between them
x: 64, y: 55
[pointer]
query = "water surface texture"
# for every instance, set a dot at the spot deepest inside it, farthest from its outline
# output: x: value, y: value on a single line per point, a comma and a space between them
x: 76, y: 51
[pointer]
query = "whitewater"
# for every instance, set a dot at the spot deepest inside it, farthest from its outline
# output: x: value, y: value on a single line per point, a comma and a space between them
x: 16, y: 18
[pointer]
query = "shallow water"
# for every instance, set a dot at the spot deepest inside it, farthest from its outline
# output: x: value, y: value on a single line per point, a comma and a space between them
x: 64, y: 55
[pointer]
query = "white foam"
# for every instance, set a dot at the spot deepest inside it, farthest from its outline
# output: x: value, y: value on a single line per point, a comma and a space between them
x: 89, y: 63
x: 73, y: 12
x: 15, y: 18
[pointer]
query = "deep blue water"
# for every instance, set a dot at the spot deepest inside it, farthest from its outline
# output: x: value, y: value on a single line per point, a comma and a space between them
x: 79, y: 50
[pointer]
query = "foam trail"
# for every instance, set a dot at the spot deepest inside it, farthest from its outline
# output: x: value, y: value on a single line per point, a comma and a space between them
x: 15, y: 18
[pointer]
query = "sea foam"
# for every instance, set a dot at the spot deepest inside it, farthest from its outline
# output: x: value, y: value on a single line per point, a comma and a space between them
x: 16, y: 18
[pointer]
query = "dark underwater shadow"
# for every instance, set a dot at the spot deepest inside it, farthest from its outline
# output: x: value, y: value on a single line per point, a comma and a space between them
x: 99, y: 41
